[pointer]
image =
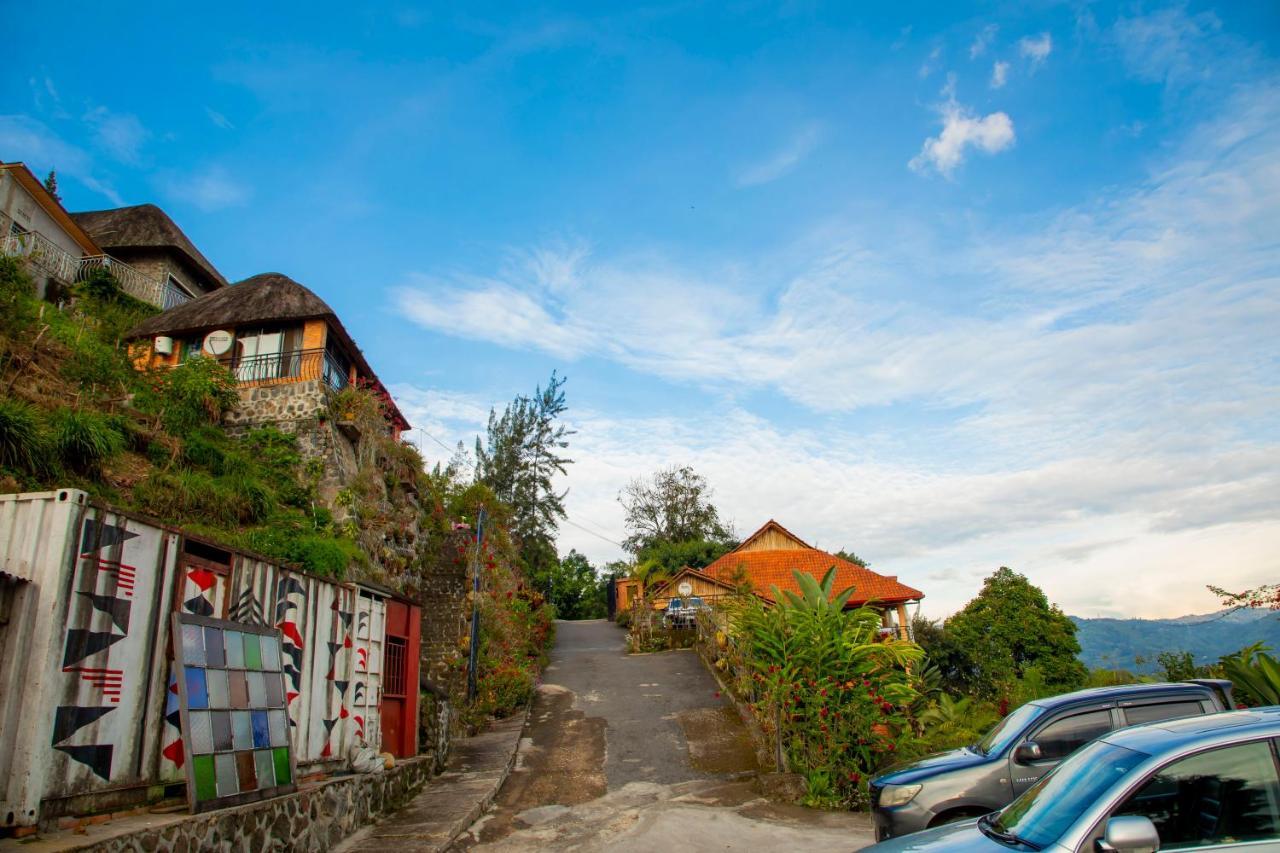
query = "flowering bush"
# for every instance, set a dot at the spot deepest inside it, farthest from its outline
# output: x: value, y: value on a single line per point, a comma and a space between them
x: 823, y: 685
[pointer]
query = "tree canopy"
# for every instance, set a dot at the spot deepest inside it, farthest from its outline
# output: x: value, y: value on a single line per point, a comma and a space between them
x: 576, y: 589
x: 1007, y: 629
x: 519, y: 461
x: 672, y: 506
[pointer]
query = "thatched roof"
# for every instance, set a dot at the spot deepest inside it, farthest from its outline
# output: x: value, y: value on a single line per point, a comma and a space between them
x: 144, y: 226
x: 266, y: 298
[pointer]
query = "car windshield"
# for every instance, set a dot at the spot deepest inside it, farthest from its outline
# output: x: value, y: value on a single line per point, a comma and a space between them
x: 1007, y: 729
x: 696, y: 602
x: 1049, y: 807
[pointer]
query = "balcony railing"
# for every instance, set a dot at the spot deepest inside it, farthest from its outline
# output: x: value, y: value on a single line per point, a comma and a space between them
x: 61, y: 264
x: 291, y: 365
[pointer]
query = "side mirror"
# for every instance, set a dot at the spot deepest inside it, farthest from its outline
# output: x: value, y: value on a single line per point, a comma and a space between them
x: 1027, y: 753
x: 1130, y: 834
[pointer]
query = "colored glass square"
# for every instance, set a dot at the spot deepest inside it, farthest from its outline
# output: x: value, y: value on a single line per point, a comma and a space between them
x: 252, y: 652
x: 280, y: 757
x: 234, y: 644
x: 221, y: 730
x: 241, y: 730
x: 193, y: 645
x: 224, y: 765
x: 278, y: 724
x: 197, y: 692
x: 238, y: 688
x: 257, y: 689
x: 275, y: 690
x: 248, y: 776
x: 201, y: 732
x: 261, y: 731
x: 213, y: 647
x: 216, y: 680
x: 206, y: 784
x: 270, y: 652
x: 265, y: 766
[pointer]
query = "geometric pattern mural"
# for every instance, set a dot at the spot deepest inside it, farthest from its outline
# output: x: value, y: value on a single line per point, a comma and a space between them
x: 231, y: 703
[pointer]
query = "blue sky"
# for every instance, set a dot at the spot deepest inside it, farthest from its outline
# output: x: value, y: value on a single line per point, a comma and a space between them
x: 952, y: 285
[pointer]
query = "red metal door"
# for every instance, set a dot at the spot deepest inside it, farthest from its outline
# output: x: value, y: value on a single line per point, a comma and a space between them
x: 400, y: 680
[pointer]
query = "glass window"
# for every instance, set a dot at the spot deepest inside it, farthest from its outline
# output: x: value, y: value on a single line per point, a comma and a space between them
x: 1007, y: 729
x: 1161, y: 711
x: 1052, y: 805
x: 1224, y: 796
x: 191, y: 348
x: 1063, y: 737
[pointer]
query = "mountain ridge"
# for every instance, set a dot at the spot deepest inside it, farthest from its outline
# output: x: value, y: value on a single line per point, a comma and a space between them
x: 1115, y: 643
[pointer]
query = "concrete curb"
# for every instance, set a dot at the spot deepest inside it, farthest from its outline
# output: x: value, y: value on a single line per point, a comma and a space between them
x: 464, y: 823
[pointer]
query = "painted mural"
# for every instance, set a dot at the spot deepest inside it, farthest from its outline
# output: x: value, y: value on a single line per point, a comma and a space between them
x: 109, y: 643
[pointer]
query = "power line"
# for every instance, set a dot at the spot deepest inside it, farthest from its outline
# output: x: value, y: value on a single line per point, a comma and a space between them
x: 593, y: 533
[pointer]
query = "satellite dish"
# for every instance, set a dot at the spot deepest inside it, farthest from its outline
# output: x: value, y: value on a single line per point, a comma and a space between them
x: 685, y: 588
x: 218, y: 343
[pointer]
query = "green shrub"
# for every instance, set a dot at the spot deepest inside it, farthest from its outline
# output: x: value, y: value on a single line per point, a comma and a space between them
x: 85, y: 439
x: 92, y: 363
x: 23, y: 443
x: 203, y: 448
x: 100, y: 284
x: 17, y: 297
x: 196, y: 393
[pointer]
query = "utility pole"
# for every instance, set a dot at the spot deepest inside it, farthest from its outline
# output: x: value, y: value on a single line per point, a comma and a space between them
x: 474, y: 659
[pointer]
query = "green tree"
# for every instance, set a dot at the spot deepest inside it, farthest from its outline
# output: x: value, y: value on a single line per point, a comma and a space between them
x: 519, y: 462
x: 51, y: 184
x: 576, y: 589
x: 666, y: 558
x: 1007, y: 629
x: 852, y: 558
x: 674, y: 505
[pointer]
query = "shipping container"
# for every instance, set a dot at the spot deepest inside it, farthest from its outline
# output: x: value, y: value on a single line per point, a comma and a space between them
x: 88, y: 709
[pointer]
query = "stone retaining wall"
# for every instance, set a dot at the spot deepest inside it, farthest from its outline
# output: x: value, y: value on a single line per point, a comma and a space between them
x: 314, y: 819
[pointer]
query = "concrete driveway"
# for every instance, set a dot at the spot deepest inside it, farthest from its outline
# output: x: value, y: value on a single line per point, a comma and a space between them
x: 632, y: 752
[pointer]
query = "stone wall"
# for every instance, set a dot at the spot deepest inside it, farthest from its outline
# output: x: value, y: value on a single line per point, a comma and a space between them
x: 314, y: 819
x: 300, y: 408
x: 442, y: 589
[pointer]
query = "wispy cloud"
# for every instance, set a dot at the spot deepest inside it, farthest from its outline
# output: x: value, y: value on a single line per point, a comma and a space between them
x: 999, y: 75
x: 1036, y: 48
x: 1172, y: 47
x: 42, y: 149
x: 983, y: 40
x: 962, y: 130
x: 781, y: 162
x: 1110, y: 374
x: 218, y: 119
x: 931, y: 62
x: 209, y: 189
x: 121, y: 135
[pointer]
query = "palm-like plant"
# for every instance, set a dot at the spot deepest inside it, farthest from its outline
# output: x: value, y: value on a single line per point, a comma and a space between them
x: 1255, y: 674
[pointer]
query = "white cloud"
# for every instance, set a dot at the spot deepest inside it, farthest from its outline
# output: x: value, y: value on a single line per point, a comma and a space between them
x: 962, y: 130
x: 781, y: 162
x: 1036, y: 48
x: 24, y: 138
x: 218, y: 119
x: 930, y: 63
x: 1103, y: 396
x: 210, y: 188
x: 121, y: 135
x: 1169, y: 46
x: 983, y: 40
x: 999, y: 75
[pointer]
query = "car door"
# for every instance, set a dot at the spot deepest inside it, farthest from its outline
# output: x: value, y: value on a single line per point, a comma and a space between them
x: 1058, y: 737
x: 1225, y: 798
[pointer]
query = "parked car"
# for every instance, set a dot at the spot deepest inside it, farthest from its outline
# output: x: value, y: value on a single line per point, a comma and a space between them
x: 682, y: 613
x: 1024, y: 746
x: 1192, y: 783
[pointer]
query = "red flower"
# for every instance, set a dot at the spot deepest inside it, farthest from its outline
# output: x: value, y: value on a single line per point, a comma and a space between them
x: 854, y: 777
x: 886, y: 707
x: 822, y: 712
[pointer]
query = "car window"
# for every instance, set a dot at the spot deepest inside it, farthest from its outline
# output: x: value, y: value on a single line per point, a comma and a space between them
x: 1064, y: 736
x: 1226, y: 795
x: 1161, y: 711
x: 1007, y: 729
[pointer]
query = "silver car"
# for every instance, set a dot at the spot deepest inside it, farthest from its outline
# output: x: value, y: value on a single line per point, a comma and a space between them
x: 1200, y: 783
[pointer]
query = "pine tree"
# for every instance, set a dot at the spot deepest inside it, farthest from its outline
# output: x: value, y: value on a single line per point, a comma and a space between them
x: 51, y: 184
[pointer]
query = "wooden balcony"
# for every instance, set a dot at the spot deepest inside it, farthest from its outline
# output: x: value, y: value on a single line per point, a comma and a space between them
x: 290, y: 366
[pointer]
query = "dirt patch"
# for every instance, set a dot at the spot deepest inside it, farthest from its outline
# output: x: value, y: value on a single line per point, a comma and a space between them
x: 718, y: 741
x: 561, y: 762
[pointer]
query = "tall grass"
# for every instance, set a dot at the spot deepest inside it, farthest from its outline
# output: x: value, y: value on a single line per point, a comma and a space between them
x: 84, y: 440
x: 24, y: 446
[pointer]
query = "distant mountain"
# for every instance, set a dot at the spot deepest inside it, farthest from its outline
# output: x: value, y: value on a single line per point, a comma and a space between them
x: 1114, y: 643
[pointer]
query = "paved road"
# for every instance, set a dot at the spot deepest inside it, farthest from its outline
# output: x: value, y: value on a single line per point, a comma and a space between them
x: 622, y: 750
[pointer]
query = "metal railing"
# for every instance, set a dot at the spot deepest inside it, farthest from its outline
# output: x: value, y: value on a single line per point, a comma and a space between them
x: 295, y: 365
x: 42, y: 252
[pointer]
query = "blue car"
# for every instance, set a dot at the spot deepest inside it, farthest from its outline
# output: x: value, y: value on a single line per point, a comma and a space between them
x: 1200, y: 783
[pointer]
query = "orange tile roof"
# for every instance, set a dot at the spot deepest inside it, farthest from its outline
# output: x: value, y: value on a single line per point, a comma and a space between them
x: 768, y: 568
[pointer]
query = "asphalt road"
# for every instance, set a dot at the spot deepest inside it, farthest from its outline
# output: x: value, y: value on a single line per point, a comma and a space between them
x: 624, y: 750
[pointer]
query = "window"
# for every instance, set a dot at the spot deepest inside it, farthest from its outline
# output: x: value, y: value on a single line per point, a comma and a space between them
x: 1161, y: 711
x: 337, y: 367
x: 1227, y: 795
x: 1067, y: 734
x: 192, y: 347
x: 1007, y: 729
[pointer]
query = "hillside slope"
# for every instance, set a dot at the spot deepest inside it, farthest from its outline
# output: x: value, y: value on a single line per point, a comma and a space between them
x: 1115, y: 643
